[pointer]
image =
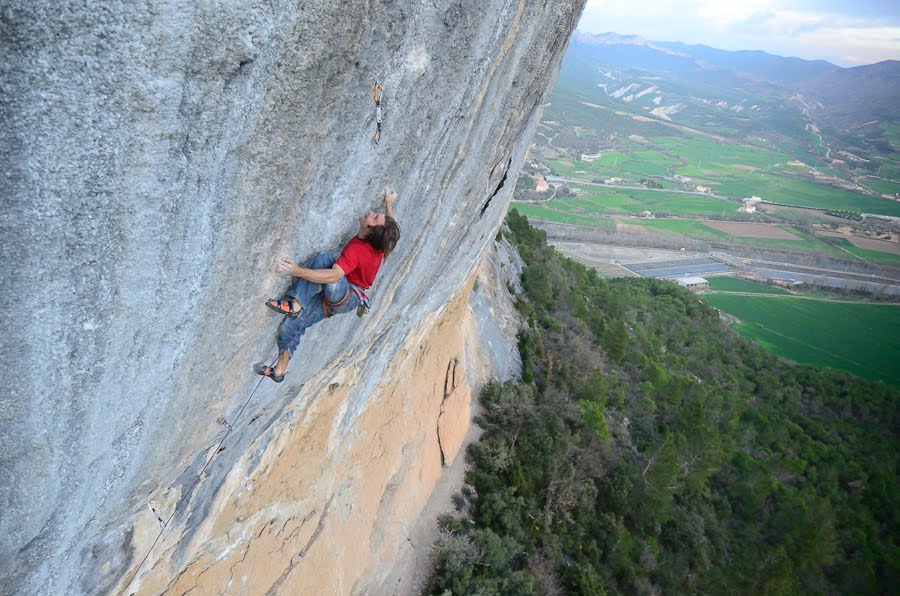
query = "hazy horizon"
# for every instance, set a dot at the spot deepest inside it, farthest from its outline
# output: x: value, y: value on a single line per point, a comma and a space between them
x: 864, y: 32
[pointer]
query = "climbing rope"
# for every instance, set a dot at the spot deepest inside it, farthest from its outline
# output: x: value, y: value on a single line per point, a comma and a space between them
x: 376, y: 94
x: 164, y: 524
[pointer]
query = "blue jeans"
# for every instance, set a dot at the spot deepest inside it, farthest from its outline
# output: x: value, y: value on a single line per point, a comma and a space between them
x: 312, y: 297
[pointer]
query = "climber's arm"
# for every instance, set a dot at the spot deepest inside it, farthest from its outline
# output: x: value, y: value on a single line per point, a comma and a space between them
x: 389, y: 196
x: 318, y: 276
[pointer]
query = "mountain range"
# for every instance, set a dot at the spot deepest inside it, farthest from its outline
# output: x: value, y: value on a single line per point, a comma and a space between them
x: 847, y: 98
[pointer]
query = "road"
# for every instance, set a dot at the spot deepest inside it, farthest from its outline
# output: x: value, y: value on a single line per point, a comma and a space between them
x: 791, y: 268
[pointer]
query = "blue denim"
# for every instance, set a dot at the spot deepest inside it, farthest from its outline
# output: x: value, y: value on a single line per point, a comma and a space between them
x: 312, y: 296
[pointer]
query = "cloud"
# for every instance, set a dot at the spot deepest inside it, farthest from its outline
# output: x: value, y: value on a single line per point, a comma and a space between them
x: 849, y: 34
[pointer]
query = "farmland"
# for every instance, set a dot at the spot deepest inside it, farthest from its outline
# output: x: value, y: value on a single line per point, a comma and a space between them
x: 733, y: 170
x: 794, y: 191
x: 754, y: 230
x: 860, y: 338
x: 635, y: 201
x: 731, y: 284
x: 649, y: 177
x: 687, y: 227
x: 561, y: 215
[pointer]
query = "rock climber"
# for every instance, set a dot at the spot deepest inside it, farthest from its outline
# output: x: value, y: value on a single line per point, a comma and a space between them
x: 329, y: 286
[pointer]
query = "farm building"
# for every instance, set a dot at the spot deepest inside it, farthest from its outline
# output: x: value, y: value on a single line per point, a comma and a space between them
x: 692, y: 283
x: 750, y: 203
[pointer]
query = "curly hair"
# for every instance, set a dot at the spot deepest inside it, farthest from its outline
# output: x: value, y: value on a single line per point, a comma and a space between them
x: 385, y: 237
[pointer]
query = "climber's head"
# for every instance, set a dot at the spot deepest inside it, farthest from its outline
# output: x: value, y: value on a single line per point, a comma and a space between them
x: 371, y: 220
x: 380, y: 230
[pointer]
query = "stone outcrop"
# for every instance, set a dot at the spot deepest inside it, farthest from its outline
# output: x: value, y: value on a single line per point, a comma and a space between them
x: 157, y: 156
x: 456, y: 411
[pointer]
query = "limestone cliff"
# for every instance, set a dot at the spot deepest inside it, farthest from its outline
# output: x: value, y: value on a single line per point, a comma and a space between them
x: 156, y: 157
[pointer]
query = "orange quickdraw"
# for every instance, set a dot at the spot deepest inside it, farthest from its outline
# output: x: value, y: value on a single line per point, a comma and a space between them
x: 376, y: 95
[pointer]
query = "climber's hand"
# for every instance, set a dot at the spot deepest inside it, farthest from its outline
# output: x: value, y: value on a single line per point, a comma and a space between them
x: 390, y: 195
x: 285, y: 265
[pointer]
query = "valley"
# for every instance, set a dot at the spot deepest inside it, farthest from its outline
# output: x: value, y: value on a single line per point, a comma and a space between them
x: 696, y: 156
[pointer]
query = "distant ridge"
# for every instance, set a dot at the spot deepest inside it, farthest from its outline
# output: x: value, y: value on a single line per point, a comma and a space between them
x: 849, y: 97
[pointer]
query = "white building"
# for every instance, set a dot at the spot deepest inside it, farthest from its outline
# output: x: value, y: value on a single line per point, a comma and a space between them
x: 692, y: 283
x: 750, y: 204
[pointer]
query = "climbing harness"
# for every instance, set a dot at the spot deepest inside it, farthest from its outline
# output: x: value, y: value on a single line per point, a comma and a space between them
x: 376, y: 94
x: 364, y: 305
x: 327, y: 305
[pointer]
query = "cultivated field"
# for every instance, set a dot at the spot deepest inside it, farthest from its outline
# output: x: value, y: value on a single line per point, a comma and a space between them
x: 621, y: 254
x: 700, y: 165
x: 860, y: 338
x: 744, y: 286
x: 752, y: 230
x: 731, y: 169
x: 555, y: 214
x: 688, y: 227
x: 868, y: 243
x: 885, y: 255
x: 636, y: 201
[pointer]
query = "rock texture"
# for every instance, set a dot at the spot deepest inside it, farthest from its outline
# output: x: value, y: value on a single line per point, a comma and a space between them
x: 456, y: 411
x: 156, y: 157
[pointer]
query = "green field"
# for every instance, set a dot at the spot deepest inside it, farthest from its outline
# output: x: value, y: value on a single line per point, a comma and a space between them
x: 770, y: 153
x: 707, y: 156
x: 883, y: 186
x: 803, y: 193
x: 876, y: 256
x: 860, y: 338
x: 871, y: 256
x: 803, y: 243
x: 733, y: 170
x: 593, y: 210
x: 633, y: 201
x: 733, y: 284
x: 688, y: 227
x: 557, y: 216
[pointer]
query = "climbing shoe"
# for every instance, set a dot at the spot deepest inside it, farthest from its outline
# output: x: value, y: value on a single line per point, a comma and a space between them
x: 267, y: 371
x: 283, y: 306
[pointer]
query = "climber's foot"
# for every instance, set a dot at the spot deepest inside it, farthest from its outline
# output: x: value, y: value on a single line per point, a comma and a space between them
x: 267, y: 371
x: 284, y: 306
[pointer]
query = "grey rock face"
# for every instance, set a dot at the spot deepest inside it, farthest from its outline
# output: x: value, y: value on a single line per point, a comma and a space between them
x: 495, y: 311
x: 156, y: 157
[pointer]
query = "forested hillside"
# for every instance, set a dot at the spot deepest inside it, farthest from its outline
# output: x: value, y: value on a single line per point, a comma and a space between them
x: 647, y: 448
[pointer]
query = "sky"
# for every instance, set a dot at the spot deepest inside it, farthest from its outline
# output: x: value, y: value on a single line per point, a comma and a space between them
x: 844, y: 33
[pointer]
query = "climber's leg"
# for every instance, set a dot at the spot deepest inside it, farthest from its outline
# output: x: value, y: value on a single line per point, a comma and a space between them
x: 303, y: 292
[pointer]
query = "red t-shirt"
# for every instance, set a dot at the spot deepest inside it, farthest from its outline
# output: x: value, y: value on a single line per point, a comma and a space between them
x: 360, y: 262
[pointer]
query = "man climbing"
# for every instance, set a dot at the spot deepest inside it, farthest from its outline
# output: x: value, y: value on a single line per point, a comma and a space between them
x: 329, y: 286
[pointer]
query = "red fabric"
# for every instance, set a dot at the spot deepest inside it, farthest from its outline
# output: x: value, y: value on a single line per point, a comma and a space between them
x: 360, y: 262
